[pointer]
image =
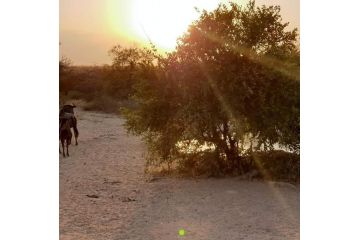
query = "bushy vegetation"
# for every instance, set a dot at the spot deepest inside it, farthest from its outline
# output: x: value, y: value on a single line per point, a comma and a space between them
x: 81, y: 82
x: 276, y: 165
x: 105, y: 88
x: 232, y: 85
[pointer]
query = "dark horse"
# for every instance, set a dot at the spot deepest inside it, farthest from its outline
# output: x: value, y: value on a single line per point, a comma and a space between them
x: 65, y: 135
x: 67, y: 113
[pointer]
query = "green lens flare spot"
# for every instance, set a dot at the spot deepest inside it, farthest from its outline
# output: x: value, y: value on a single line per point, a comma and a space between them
x: 181, y: 232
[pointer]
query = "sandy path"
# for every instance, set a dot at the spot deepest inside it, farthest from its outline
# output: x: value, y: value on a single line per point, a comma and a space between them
x: 108, y: 163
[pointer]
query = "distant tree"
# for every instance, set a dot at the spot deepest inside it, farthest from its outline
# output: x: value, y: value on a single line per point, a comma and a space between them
x: 123, y: 72
x: 64, y: 72
x: 64, y: 66
x: 233, y: 83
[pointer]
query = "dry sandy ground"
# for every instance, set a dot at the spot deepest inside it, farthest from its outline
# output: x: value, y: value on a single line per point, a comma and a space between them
x: 108, y: 164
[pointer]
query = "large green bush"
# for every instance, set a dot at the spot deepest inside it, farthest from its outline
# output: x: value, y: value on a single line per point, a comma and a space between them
x: 233, y: 79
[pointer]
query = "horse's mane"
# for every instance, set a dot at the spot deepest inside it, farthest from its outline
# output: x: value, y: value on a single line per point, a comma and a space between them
x: 67, y: 109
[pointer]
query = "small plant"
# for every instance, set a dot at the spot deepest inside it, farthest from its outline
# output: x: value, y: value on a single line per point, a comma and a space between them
x: 103, y: 103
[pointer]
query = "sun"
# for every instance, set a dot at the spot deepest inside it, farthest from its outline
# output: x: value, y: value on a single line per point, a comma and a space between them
x: 163, y: 21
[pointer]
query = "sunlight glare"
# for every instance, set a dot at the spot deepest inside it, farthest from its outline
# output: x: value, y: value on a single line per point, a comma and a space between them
x: 163, y: 21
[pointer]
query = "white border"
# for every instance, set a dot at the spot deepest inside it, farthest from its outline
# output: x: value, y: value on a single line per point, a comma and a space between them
x: 29, y: 169
x: 329, y: 120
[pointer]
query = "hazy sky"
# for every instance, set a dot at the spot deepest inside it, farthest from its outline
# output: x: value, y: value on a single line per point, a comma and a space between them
x: 89, y: 28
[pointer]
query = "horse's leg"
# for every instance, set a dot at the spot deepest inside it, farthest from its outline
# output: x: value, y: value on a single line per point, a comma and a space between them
x: 76, y: 135
x: 63, y: 148
x: 67, y: 148
x: 76, y: 131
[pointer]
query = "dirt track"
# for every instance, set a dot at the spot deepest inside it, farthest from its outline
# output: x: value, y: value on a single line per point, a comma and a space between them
x: 104, y: 194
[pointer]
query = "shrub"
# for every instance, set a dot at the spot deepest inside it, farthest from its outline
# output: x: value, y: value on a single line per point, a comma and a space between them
x: 276, y: 165
x: 103, y: 103
x: 205, y: 163
x: 73, y: 94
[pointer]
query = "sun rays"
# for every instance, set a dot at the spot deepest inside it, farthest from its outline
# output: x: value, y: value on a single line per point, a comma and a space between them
x: 163, y: 21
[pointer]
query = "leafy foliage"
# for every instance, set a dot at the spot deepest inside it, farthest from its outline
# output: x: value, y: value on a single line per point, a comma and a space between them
x: 276, y: 165
x: 107, y: 87
x: 232, y: 83
x: 123, y: 72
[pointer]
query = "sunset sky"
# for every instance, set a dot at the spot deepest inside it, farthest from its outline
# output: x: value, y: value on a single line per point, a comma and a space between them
x: 89, y: 28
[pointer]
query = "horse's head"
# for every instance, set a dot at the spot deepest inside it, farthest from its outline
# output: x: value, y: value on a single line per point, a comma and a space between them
x: 69, y: 108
